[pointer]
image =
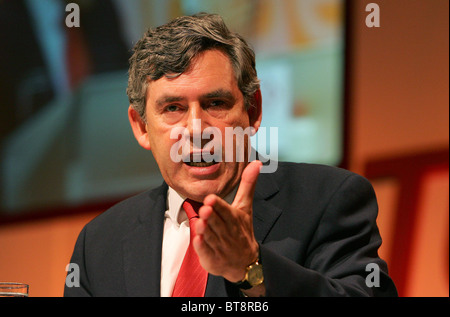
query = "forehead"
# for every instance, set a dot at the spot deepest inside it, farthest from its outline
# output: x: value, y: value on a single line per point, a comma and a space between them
x: 210, y: 71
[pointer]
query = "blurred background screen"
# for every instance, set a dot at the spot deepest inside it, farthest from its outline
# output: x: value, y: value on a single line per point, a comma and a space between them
x: 65, y: 136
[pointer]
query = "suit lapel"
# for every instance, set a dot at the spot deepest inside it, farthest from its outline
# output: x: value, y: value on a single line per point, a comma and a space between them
x: 142, y: 247
x: 265, y: 213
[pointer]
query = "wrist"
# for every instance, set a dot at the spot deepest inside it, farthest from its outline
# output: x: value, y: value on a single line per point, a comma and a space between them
x: 238, y: 273
x: 253, y: 275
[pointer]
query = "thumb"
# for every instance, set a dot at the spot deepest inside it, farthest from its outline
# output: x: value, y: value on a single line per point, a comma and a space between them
x: 246, y: 190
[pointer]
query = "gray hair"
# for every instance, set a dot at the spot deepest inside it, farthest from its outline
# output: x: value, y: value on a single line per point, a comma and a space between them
x: 169, y: 49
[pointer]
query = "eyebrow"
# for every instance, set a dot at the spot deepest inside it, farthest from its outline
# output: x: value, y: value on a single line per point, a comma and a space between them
x: 168, y: 99
x: 219, y: 93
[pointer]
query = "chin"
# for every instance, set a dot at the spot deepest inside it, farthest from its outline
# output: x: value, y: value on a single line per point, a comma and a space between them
x: 198, y: 192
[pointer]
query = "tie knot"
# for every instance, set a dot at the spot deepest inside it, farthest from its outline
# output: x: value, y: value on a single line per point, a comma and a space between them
x: 191, y: 207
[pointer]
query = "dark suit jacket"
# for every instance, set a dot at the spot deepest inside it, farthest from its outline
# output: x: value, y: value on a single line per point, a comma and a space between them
x: 315, y: 225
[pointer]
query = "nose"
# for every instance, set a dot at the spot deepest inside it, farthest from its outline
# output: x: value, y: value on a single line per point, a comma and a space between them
x: 194, y: 118
x: 196, y: 123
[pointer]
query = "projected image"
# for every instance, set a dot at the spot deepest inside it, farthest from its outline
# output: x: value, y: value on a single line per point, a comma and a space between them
x: 66, y: 140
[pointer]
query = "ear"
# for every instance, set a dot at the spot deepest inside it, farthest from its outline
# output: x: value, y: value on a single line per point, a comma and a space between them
x: 139, y: 128
x: 255, y: 110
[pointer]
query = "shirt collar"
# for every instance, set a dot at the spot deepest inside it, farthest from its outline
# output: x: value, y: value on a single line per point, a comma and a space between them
x: 174, y: 203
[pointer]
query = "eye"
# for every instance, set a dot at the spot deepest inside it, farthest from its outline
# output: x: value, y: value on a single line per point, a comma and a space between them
x: 216, y: 103
x: 171, y: 108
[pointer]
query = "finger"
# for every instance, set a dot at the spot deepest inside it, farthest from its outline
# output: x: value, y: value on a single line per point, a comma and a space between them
x: 246, y: 190
x: 210, y: 217
x: 208, y: 220
x: 204, y: 251
x: 205, y: 212
x: 209, y: 236
x: 211, y: 226
x: 220, y: 208
x: 200, y: 226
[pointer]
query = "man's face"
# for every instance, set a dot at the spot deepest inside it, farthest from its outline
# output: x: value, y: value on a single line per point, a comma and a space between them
x: 207, y: 91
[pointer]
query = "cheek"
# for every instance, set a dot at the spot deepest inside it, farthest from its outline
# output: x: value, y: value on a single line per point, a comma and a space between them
x: 160, y: 147
x: 159, y: 136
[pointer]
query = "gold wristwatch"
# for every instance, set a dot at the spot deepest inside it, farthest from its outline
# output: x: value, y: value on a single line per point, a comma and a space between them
x: 253, y: 276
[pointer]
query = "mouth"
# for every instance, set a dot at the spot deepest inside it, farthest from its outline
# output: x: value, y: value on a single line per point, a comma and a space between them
x: 196, y: 160
x: 200, y: 164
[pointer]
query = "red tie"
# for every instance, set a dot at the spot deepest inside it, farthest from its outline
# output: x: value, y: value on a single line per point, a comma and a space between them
x: 191, y: 280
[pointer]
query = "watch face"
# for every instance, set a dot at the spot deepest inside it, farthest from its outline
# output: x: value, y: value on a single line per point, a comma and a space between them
x: 255, y: 275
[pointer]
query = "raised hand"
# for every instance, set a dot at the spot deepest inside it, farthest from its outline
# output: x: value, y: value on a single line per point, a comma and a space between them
x: 225, y: 242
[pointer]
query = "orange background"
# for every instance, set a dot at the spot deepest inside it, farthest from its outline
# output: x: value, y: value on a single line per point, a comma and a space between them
x: 398, y: 107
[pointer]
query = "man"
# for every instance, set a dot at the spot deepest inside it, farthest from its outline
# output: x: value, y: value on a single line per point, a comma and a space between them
x: 304, y: 230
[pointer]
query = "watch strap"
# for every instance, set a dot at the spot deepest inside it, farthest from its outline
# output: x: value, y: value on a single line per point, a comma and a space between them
x: 243, y: 284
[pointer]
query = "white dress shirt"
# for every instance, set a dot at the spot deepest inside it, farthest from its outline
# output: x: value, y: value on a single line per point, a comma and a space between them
x: 176, y: 239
